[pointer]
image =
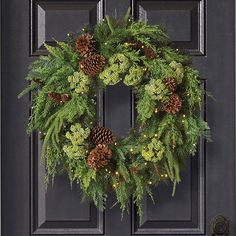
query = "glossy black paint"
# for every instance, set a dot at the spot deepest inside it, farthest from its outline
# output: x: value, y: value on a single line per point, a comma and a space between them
x: 205, y: 28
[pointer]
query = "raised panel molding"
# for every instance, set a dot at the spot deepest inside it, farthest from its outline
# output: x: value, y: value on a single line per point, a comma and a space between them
x: 184, y: 21
x: 53, y: 19
x: 185, y: 213
x: 59, y: 210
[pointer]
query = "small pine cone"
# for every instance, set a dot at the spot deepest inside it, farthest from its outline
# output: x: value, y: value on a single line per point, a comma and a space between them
x: 137, y: 45
x: 171, y: 84
x: 58, y: 98
x: 101, y: 135
x: 55, y: 97
x: 99, y: 157
x: 174, y: 104
x: 149, y: 53
x: 85, y: 45
x: 133, y: 170
x: 93, y: 65
x: 65, y: 98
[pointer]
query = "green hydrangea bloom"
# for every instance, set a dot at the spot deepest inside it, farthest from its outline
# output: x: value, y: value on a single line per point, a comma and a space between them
x: 157, y: 90
x: 154, y: 152
x: 134, y: 76
x: 117, y: 65
x: 121, y: 60
x: 77, y: 135
x: 110, y: 75
x: 179, y: 71
x: 79, y: 82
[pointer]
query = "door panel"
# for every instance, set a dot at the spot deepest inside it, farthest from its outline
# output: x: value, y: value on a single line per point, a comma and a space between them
x: 52, y: 20
x: 59, y: 210
x: 184, y: 21
x: 201, y: 27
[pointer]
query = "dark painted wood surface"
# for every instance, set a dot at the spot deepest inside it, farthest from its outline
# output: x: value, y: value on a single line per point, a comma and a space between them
x: 206, y: 29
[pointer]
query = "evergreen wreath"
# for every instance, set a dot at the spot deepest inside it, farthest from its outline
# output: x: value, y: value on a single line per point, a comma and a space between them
x: 168, y: 92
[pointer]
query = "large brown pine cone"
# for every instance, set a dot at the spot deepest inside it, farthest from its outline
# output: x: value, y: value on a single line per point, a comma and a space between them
x: 99, y: 157
x: 85, y: 45
x: 174, y: 104
x: 101, y: 135
x: 93, y: 65
x: 171, y: 84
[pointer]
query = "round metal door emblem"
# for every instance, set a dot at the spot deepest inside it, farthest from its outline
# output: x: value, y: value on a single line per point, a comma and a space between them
x: 219, y: 226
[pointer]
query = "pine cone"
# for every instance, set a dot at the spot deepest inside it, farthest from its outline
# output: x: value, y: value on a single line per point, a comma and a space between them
x: 174, y: 104
x: 85, y: 45
x: 93, y: 65
x: 171, y: 84
x: 58, y: 98
x: 101, y: 135
x: 136, y: 44
x: 149, y: 53
x: 65, y: 97
x: 99, y: 157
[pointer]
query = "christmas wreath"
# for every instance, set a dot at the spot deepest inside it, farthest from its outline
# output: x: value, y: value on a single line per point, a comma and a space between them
x: 64, y: 87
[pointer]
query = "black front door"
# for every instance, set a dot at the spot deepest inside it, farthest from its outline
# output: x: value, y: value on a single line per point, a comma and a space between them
x: 205, y: 28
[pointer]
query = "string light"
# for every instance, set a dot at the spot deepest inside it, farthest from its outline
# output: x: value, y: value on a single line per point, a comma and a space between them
x: 150, y: 182
x: 117, y: 173
x: 115, y: 143
x: 156, y: 110
x: 145, y: 163
x: 142, y: 46
x: 83, y: 29
x: 131, y: 149
x: 114, y: 185
x: 184, y: 115
x: 177, y: 49
x: 129, y: 19
x: 145, y: 136
x: 162, y: 175
x: 126, y: 44
x: 155, y: 135
x: 145, y: 69
x: 105, y: 43
x: 109, y: 172
x: 166, y: 175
